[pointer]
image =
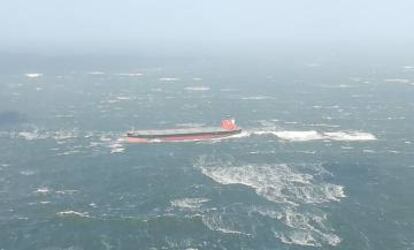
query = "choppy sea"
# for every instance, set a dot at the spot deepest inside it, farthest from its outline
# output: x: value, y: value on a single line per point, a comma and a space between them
x: 326, y: 159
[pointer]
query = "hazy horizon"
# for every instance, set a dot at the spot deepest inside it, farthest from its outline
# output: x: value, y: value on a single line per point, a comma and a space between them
x: 133, y: 26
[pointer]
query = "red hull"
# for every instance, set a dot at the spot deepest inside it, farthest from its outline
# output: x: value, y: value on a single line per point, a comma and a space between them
x: 175, y: 139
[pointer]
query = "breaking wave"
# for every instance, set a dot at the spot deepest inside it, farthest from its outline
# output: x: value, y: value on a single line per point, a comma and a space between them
x: 311, y: 135
x: 296, y: 192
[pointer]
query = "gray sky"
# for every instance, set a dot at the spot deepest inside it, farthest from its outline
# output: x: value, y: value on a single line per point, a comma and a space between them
x: 60, y: 24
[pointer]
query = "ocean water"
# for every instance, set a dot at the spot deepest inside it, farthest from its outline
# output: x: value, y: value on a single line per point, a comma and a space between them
x: 326, y: 159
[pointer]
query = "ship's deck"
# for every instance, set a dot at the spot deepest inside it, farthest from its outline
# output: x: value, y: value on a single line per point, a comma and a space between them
x: 178, y: 131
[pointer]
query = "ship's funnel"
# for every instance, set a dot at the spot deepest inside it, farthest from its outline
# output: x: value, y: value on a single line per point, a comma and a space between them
x: 229, y: 124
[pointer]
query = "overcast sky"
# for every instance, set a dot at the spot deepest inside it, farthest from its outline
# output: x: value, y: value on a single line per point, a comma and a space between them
x: 32, y: 24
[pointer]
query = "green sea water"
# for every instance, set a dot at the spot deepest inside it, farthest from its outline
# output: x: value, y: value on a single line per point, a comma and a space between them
x: 326, y: 159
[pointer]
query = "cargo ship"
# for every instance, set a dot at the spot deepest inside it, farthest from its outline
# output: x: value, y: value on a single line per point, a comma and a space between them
x: 228, y: 128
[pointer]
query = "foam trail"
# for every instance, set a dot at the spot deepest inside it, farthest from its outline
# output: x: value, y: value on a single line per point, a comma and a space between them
x: 349, y: 136
x: 117, y: 146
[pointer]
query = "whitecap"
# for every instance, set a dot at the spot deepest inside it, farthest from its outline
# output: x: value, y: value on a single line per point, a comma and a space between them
x: 69, y: 152
x: 43, y: 190
x: 117, y: 147
x: 197, y: 88
x: 33, y: 75
x: 68, y: 191
x: 306, y: 229
x: 217, y: 222
x: 96, y: 73
x: 368, y: 151
x: 349, y: 136
x: 73, y: 213
x: 92, y: 204
x: 302, y: 238
x: 256, y: 98
x: 397, y: 80
x: 27, y: 172
x: 189, y: 203
x: 117, y: 150
x: 228, y: 90
x: 124, y: 98
x: 62, y: 135
x: 168, y: 79
x: 267, y: 212
x: 394, y: 151
x: 105, y: 138
x: 130, y: 74
x: 32, y: 135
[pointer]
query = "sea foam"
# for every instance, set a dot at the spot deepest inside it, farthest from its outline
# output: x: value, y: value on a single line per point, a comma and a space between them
x: 278, y: 183
x: 296, y: 192
x: 313, y: 135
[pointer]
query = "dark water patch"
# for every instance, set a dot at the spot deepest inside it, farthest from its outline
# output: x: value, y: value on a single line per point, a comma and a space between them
x: 8, y: 118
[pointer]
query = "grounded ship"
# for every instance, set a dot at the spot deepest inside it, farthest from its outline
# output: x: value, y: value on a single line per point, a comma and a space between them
x: 228, y: 128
